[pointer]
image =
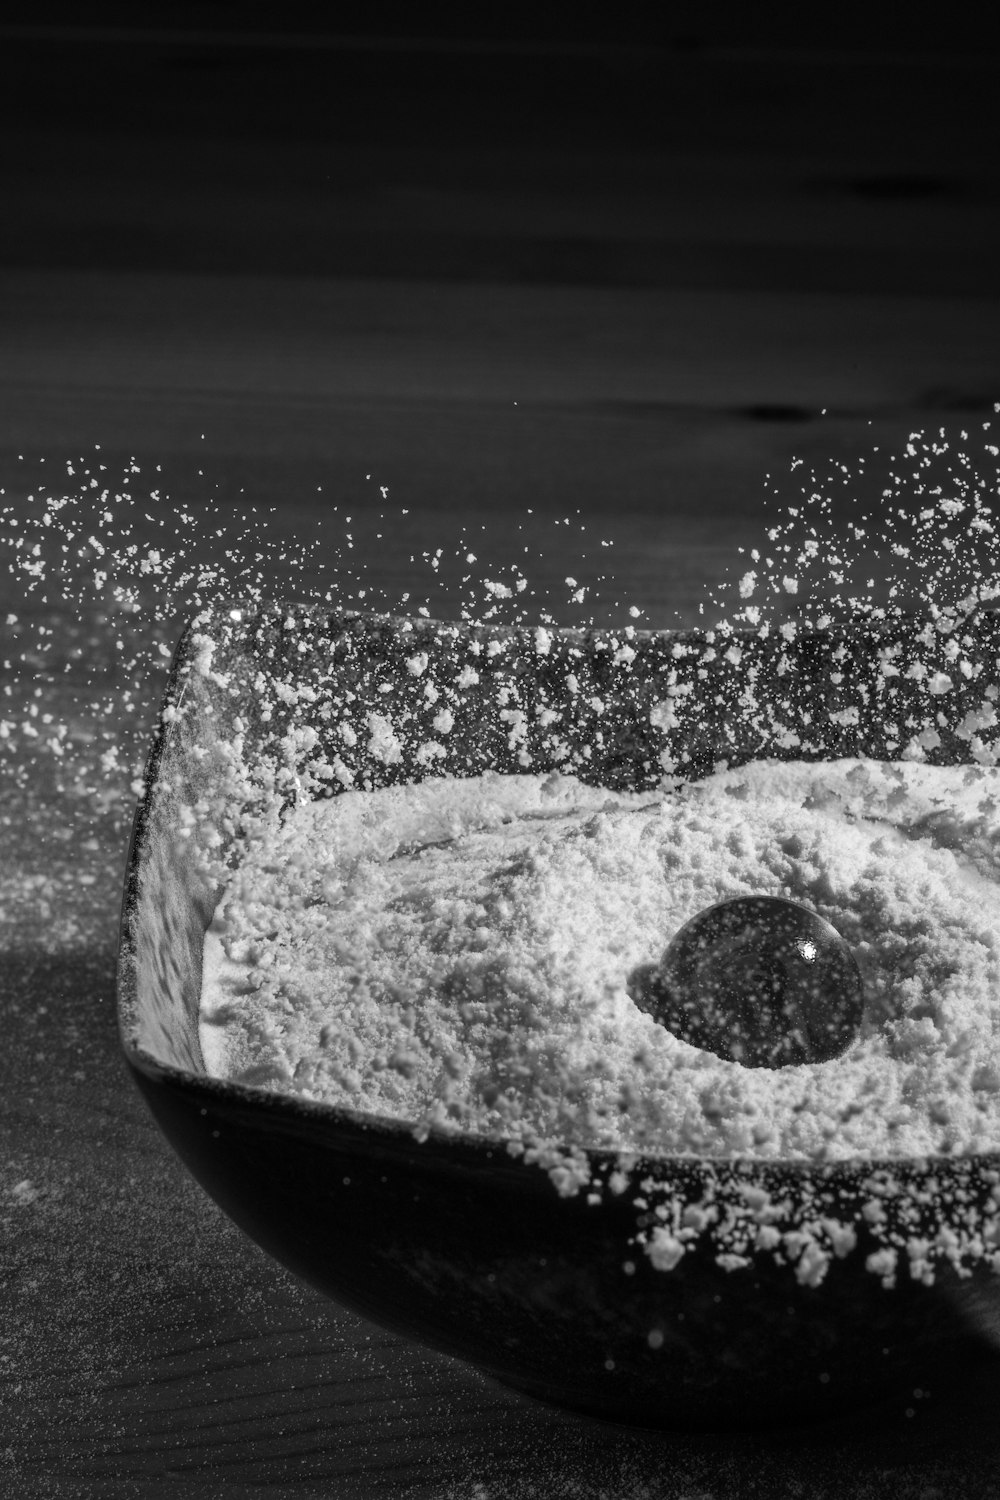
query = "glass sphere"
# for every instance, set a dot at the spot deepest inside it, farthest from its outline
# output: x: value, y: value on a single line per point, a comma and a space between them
x: 758, y: 980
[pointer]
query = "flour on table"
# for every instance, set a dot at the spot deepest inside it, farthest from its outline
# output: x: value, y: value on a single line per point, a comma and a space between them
x: 456, y: 954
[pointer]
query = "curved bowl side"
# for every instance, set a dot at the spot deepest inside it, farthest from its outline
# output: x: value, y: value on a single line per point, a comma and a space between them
x: 473, y: 1253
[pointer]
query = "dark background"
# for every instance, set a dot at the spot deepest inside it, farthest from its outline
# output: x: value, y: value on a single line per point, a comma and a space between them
x: 495, y: 257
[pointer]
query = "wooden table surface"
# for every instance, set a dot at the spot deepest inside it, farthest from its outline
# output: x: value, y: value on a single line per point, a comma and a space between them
x: 577, y: 307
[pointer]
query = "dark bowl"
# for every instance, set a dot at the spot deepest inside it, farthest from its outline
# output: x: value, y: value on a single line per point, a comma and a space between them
x: 452, y: 1239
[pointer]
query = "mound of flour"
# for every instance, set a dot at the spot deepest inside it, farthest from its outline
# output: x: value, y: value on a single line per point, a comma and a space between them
x: 456, y: 953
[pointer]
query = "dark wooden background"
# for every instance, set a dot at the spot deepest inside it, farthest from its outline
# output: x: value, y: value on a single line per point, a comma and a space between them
x: 500, y: 263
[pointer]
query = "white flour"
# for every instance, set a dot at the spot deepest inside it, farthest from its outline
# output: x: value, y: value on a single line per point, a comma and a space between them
x: 456, y: 954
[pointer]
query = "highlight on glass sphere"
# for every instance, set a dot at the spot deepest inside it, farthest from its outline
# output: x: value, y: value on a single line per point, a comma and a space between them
x: 758, y: 980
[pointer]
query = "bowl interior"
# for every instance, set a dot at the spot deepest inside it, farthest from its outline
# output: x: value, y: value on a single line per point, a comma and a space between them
x: 286, y: 701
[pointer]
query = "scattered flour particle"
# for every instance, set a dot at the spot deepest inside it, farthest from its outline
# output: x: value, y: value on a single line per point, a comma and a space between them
x: 383, y: 744
x: 664, y: 1249
x: 882, y: 1263
x: 24, y: 1192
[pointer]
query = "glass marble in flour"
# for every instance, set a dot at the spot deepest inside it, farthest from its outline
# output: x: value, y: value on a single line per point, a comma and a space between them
x: 457, y: 954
